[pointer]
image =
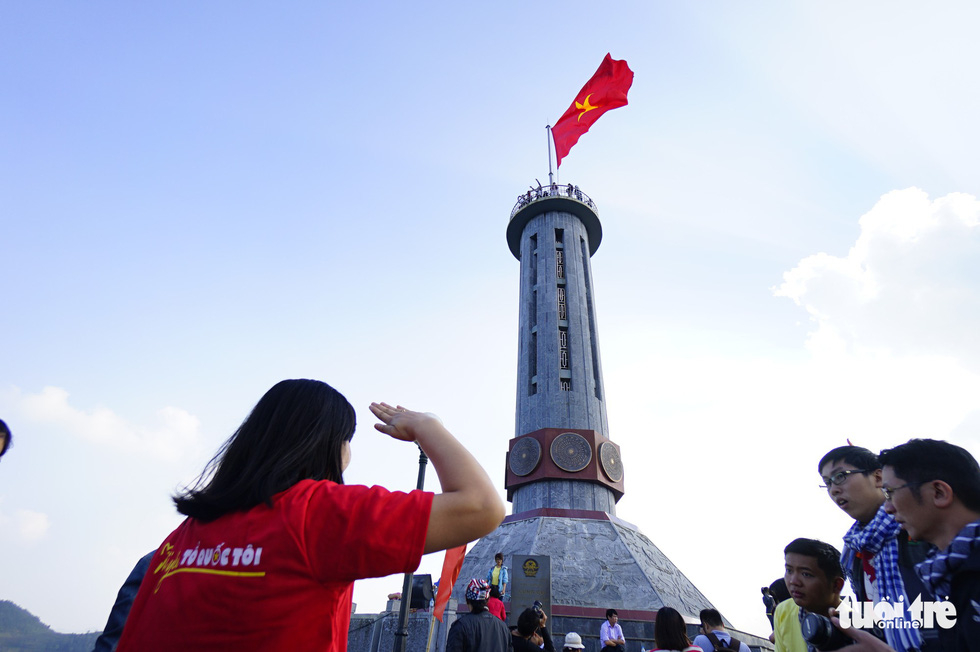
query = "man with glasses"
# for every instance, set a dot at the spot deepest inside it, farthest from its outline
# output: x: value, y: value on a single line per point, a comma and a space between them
x: 878, y: 558
x: 933, y: 490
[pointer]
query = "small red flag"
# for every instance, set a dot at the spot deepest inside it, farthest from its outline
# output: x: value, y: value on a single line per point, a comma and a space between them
x: 450, y: 571
x: 605, y: 91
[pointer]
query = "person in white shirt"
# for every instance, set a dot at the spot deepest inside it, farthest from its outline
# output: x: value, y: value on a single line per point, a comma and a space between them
x: 611, y: 634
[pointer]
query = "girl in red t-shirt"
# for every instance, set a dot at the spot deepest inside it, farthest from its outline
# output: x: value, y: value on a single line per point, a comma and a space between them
x: 274, y: 540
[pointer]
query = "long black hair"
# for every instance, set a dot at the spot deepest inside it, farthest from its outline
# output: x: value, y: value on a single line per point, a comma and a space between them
x: 295, y: 432
x: 670, y: 630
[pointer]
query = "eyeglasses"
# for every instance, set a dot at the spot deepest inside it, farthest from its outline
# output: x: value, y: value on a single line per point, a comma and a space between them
x: 839, y: 478
x: 889, y: 492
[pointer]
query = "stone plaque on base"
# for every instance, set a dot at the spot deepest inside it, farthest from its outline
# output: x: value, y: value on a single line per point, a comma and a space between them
x: 530, y: 580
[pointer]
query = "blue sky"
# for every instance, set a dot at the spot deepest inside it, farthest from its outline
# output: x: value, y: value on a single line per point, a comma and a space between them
x: 199, y: 201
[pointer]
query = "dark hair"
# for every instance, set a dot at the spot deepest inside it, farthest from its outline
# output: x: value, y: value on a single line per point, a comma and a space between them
x: 925, y: 460
x: 779, y: 591
x: 494, y: 591
x: 827, y: 556
x: 476, y: 606
x: 295, y: 432
x: 499, y: 556
x: 711, y: 618
x: 611, y: 612
x: 859, y: 458
x: 7, y: 437
x: 670, y: 630
x: 527, y: 622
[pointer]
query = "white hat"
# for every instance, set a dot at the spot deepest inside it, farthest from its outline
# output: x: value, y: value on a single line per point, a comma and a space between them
x: 573, y: 640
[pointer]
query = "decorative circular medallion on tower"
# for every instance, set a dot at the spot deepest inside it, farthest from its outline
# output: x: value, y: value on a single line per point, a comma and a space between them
x: 571, y: 452
x: 612, y: 463
x: 525, y: 455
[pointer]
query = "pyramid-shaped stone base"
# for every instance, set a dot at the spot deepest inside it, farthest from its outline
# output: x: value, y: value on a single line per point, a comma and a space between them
x: 597, y: 561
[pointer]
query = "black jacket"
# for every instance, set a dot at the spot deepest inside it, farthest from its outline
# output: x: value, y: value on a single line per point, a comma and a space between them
x: 964, y: 593
x: 479, y: 632
x: 521, y: 644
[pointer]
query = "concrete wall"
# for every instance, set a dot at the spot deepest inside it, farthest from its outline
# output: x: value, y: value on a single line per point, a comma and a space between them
x: 376, y: 632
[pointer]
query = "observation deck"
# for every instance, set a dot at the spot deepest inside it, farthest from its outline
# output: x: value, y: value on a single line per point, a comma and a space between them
x: 560, y: 198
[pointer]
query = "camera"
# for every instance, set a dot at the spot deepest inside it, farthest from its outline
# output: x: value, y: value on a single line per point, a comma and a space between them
x: 537, y: 608
x: 821, y: 634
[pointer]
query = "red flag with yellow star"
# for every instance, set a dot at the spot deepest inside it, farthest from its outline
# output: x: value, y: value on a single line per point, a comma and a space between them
x: 605, y: 91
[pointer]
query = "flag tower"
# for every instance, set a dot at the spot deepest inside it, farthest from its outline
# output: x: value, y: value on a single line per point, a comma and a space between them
x: 564, y: 474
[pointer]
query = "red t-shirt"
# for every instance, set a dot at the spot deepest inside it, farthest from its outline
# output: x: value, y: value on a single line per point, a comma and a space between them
x: 496, y: 607
x: 276, y: 578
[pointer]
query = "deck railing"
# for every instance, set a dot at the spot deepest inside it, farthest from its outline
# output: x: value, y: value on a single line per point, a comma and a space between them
x: 567, y: 191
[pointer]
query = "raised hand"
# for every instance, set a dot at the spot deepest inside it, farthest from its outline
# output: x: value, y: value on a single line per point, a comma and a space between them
x: 401, y: 423
x: 469, y: 506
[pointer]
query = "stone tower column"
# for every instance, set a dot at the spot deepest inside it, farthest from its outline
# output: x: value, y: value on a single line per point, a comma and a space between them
x: 561, y: 456
x: 564, y: 475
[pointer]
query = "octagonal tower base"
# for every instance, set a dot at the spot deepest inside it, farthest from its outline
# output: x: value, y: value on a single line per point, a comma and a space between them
x: 598, y: 561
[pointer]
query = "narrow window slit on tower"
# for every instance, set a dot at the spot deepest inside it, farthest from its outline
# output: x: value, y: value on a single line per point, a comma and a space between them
x: 532, y: 365
x: 564, y: 359
x: 593, y: 340
x: 532, y: 347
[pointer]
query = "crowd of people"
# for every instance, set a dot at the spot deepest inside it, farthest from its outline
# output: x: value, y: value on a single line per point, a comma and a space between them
x: 482, y: 631
x: 551, y: 190
x: 911, y: 557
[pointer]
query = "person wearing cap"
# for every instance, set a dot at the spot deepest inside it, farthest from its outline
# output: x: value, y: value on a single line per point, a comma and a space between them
x: 479, y: 630
x: 573, y: 643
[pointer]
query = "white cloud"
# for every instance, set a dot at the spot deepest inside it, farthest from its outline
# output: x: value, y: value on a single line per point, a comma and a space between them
x: 31, y: 526
x: 24, y: 526
x: 909, y: 285
x: 174, y: 434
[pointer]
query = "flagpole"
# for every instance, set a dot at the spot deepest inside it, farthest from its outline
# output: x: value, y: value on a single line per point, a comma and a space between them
x: 551, y: 179
x: 432, y: 626
x: 401, y: 634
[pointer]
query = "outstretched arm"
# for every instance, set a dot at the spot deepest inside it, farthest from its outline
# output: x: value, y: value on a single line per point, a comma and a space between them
x: 468, y: 507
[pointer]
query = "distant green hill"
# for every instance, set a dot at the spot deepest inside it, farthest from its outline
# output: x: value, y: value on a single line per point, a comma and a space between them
x: 22, y: 631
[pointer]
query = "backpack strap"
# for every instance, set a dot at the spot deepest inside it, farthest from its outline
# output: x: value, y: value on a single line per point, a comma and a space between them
x: 733, y: 643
